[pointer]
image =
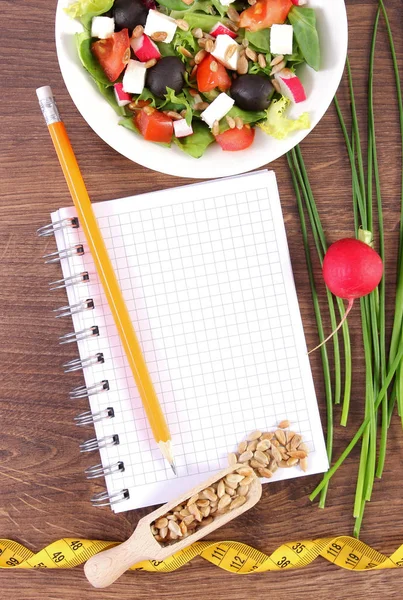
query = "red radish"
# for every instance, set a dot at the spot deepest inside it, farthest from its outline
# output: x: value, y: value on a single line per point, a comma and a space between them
x: 220, y: 29
x: 122, y: 98
x: 299, y: 2
x: 144, y: 48
x: 351, y: 269
x: 290, y: 85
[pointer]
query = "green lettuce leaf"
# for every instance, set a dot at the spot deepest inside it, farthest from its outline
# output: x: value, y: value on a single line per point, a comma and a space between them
x: 185, y: 39
x: 247, y: 116
x: 178, y: 102
x: 195, y: 145
x: 173, y: 4
x: 303, y: 21
x: 205, y: 22
x: 166, y: 49
x: 279, y: 126
x: 147, y: 95
x: 89, y: 62
x: 260, y: 40
x: 85, y: 10
x: 203, y: 6
x: 109, y: 95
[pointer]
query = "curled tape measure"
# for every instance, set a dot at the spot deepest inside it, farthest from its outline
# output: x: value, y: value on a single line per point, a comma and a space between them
x: 235, y: 557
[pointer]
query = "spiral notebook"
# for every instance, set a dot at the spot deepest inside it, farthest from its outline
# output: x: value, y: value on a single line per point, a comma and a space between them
x: 206, y: 275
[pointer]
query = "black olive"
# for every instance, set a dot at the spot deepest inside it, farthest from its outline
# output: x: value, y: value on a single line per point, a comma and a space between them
x: 252, y: 92
x: 129, y: 13
x: 168, y: 72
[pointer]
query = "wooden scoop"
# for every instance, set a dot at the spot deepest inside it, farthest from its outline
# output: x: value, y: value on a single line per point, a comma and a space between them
x: 104, y: 568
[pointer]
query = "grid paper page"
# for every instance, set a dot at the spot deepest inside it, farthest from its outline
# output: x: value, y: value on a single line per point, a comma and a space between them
x: 206, y: 276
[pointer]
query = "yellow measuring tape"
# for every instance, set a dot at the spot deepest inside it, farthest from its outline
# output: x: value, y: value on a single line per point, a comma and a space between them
x: 235, y: 557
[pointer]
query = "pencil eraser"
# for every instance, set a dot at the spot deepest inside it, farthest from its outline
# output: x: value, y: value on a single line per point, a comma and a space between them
x: 44, y: 92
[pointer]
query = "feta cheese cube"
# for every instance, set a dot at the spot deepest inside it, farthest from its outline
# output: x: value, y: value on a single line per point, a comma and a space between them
x: 134, y: 77
x: 102, y: 27
x: 122, y: 98
x: 281, y: 39
x: 157, y: 22
x: 182, y: 129
x: 217, y: 109
x: 226, y: 51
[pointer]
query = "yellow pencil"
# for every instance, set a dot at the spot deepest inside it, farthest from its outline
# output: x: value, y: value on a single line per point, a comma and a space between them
x: 106, y: 272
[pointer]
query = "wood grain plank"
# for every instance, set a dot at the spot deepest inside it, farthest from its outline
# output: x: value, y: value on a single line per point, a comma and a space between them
x: 44, y: 494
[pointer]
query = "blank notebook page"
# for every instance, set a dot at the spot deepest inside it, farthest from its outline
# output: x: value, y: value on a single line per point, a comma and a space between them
x: 206, y: 275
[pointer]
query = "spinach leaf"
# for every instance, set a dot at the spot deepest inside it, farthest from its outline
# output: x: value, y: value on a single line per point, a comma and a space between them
x: 109, y: 95
x: 196, y: 144
x: 89, y: 61
x: 178, y: 102
x: 85, y: 10
x: 173, y: 4
x: 166, y: 49
x: 247, y: 116
x: 256, y: 69
x: 205, y: 22
x: 303, y: 21
x: 260, y: 40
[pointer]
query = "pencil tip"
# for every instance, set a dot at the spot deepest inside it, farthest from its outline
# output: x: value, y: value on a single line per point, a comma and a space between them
x: 173, y: 468
x: 166, y: 449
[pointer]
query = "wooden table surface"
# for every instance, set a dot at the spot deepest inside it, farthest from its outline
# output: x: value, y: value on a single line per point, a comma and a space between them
x: 44, y: 494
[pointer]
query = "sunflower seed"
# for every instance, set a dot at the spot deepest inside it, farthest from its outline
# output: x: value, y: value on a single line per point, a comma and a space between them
x: 297, y: 454
x: 268, y: 435
x: 242, y: 65
x: 230, y: 51
x: 248, y: 480
x: 210, y: 495
x: 188, y: 2
x: 205, y: 511
x: 295, y: 442
x: 245, y: 42
x: 188, y: 520
x: 233, y: 15
x: 230, y: 490
x: 303, y: 463
x: 239, y: 125
x: 161, y: 523
x: 200, y: 56
x: 292, y: 461
x: 251, y: 445
x: 209, y: 46
x: 276, y: 60
x: 263, y: 445
x: 200, y: 106
x: 221, y: 489
x: 255, y: 464
x: 242, y: 445
x: 304, y: 448
x: 280, y: 435
x: 195, y: 512
x: 197, y: 33
x: 279, y: 67
x: 174, y: 115
x: 159, y: 36
x: 224, y: 501
x: 273, y: 466
x: 263, y: 472
x: 174, y: 528
x: 164, y: 532
x: 215, y: 130
x: 243, y: 490
x: 275, y: 454
x: 253, y: 57
x: 237, y: 502
x: 232, y: 459
x: 245, y: 456
x: 137, y: 31
x: 255, y: 435
x: 184, y: 512
x: 285, y: 423
x: 261, y: 457
x: 283, y: 464
x: 202, y: 42
x: 233, y: 478
x: 206, y: 522
x: 231, y: 124
x: 182, y: 24
x: 192, y: 500
x: 203, y: 503
x: 245, y: 471
x: 261, y: 60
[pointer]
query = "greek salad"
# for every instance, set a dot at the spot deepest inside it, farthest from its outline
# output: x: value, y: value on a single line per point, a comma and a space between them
x: 197, y: 72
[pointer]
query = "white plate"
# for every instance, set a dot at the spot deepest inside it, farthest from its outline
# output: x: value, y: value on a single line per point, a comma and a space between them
x: 320, y: 88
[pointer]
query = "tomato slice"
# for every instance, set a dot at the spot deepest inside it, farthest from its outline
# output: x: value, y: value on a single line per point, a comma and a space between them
x: 265, y: 13
x: 236, y: 139
x: 113, y: 53
x: 154, y: 125
x: 208, y: 80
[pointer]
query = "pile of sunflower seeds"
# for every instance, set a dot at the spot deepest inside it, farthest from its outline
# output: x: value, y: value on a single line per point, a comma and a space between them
x: 201, y: 509
x: 267, y: 451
